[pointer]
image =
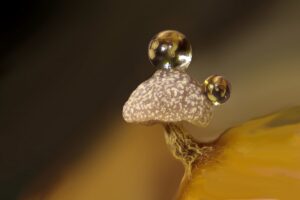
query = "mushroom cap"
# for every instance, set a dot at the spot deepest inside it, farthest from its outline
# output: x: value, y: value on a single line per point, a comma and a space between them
x: 168, y: 96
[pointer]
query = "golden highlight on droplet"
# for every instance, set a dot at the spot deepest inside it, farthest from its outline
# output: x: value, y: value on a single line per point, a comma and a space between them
x: 217, y: 89
x: 170, y: 50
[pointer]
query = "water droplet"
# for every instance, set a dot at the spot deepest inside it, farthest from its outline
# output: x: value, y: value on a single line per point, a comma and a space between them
x: 170, y: 50
x: 217, y: 89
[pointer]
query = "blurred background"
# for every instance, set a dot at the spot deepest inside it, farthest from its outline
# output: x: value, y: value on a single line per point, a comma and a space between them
x: 67, y: 67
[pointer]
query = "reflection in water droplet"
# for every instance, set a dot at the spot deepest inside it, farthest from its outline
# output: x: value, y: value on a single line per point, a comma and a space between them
x: 217, y: 89
x: 170, y: 50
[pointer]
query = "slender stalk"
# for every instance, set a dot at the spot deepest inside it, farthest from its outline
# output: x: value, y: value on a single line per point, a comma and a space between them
x: 185, y: 148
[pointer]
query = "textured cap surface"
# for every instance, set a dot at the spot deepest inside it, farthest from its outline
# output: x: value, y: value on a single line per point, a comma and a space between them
x: 168, y: 96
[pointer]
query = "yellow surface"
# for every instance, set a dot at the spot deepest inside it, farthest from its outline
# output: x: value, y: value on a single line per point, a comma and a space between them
x: 259, y: 160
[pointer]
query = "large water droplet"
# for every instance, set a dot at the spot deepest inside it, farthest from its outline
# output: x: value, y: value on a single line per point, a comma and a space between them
x: 170, y: 50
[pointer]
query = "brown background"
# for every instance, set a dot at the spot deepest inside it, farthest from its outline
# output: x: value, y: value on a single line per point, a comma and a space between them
x: 67, y: 67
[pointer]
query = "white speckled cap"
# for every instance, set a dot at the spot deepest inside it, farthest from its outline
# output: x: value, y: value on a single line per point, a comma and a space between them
x: 168, y: 96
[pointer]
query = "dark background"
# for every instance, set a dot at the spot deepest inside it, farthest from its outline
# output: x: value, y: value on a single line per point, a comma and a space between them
x: 67, y: 66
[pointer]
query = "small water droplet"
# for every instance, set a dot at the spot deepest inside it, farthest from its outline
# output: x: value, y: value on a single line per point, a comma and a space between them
x: 217, y: 89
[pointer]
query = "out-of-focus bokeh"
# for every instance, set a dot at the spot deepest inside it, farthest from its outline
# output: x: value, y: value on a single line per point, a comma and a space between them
x: 67, y: 67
